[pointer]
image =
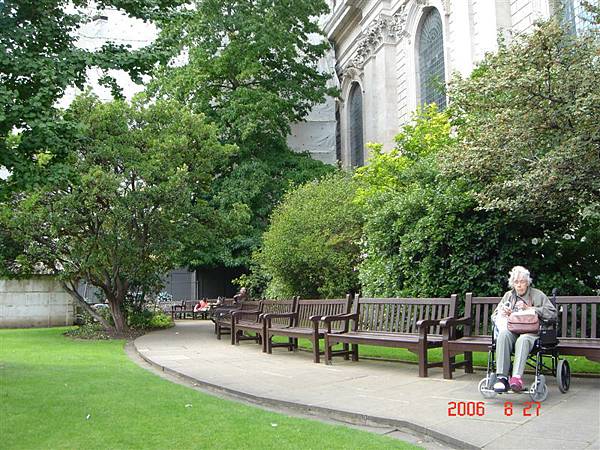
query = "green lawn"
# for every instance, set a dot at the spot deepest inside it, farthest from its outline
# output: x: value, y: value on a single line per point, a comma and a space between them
x: 60, y: 393
x: 578, y: 364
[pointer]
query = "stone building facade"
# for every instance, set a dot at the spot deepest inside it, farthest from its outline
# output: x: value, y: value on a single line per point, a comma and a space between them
x: 394, y: 55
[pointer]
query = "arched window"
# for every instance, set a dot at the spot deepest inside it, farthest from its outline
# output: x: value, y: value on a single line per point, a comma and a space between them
x: 575, y: 17
x: 432, y: 71
x: 356, y: 126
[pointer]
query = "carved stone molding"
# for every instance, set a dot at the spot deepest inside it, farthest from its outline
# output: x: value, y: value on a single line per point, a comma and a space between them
x: 399, y: 23
x: 384, y: 29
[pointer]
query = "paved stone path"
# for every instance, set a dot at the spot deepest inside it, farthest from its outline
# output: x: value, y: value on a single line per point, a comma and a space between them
x: 377, y: 392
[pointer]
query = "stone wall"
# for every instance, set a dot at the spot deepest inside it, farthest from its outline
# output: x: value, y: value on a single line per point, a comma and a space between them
x: 36, y: 302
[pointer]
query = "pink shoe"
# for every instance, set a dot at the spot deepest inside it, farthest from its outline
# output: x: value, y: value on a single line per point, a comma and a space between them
x: 516, y: 384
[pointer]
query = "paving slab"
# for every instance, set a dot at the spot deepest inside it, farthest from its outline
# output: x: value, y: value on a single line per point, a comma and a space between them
x: 378, y: 393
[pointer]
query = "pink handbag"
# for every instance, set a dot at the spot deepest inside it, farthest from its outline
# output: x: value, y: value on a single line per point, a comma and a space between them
x: 522, y: 322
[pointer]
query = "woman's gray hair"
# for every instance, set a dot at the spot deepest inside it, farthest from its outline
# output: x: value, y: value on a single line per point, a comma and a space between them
x: 519, y: 272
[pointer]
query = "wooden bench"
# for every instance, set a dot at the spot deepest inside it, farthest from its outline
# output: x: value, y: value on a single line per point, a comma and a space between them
x: 410, y: 323
x: 578, y: 326
x: 221, y: 315
x: 243, y: 322
x: 183, y: 310
x: 476, y: 336
x: 477, y: 326
x: 306, y: 319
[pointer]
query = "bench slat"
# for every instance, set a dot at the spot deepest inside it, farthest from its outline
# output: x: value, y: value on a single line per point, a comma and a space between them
x: 486, y: 316
x: 584, y: 332
x: 401, y: 324
x: 564, y: 329
x: 594, y: 322
x: 573, y: 320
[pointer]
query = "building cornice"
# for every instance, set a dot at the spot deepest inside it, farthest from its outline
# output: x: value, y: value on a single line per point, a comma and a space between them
x: 385, y: 29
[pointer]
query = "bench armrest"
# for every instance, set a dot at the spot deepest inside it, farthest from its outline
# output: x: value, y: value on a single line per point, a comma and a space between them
x: 338, y: 318
x: 424, y: 323
x: 452, y: 322
x: 449, y: 325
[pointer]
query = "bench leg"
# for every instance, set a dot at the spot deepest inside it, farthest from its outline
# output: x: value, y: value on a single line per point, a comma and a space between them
x: 233, y: 332
x: 263, y: 336
x: 422, y: 353
x: 354, y: 351
x: 218, y: 331
x: 468, y: 362
x: 316, y: 351
x: 269, y: 340
x: 327, y: 350
x: 448, y: 361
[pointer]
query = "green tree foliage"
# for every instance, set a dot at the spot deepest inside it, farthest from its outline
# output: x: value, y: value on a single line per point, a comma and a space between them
x: 259, y: 182
x: 132, y: 198
x: 528, y: 130
x: 423, y: 235
x: 428, y: 134
x: 38, y: 61
x: 429, y: 239
x: 528, y: 123
x: 250, y: 65
x: 312, y: 247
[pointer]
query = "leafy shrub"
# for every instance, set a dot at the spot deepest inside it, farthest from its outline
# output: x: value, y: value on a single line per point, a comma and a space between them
x: 83, y: 318
x: 146, y: 319
x: 432, y: 241
x: 160, y: 320
x: 311, y: 248
x: 88, y: 331
x: 528, y: 148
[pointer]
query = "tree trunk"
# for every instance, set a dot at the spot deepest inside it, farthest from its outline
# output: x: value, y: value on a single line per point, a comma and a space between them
x: 71, y: 288
x: 116, y: 310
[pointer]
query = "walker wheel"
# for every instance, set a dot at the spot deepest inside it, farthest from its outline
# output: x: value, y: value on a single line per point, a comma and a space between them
x: 563, y: 375
x: 539, y: 391
x: 486, y: 387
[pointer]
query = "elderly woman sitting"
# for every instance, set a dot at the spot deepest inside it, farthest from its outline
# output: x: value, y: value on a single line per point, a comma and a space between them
x: 521, y: 296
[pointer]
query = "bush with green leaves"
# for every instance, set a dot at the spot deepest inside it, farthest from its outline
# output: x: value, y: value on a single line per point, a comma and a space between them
x: 147, y: 320
x: 312, y: 246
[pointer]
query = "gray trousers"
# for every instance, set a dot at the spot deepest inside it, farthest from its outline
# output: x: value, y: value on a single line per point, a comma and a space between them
x: 506, y: 341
